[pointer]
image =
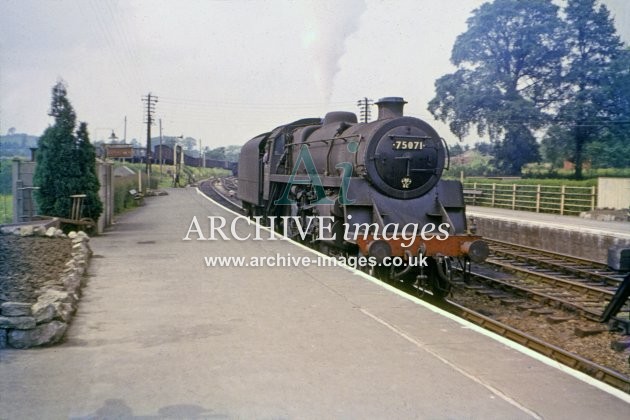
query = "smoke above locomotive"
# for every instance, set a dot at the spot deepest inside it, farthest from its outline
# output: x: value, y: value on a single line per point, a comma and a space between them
x: 362, y: 182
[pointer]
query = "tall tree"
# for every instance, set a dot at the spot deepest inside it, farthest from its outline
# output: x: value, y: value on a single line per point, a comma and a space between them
x: 593, y: 50
x: 66, y: 162
x: 508, y: 66
x: 232, y: 153
x: 189, y: 144
x: 87, y: 177
x: 518, y: 148
x: 218, y: 153
x: 609, y: 146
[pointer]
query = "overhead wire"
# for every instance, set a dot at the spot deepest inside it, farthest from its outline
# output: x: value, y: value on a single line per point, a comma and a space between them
x: 119, y: 66
x: 119, y: 23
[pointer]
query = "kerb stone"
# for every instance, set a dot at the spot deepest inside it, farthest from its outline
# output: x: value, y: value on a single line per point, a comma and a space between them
x: 48, y: 333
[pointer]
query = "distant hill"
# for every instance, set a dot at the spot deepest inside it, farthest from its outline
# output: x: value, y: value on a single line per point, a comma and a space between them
x: 17, y: 144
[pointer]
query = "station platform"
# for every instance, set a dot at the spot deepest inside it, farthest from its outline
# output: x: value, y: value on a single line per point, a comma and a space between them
x: 570, y: 235
x: 159, y: 334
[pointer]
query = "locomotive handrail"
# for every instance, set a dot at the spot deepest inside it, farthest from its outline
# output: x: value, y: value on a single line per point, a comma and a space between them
x: 401, y: 136
x: 330, y: 142
x: 323, y: 140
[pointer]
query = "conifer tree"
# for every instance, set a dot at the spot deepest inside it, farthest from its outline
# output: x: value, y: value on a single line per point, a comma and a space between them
x: 66, y: 163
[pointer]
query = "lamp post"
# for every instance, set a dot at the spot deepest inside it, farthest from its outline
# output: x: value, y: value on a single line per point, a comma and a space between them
x: 112, y: 140
x: 113, y: 137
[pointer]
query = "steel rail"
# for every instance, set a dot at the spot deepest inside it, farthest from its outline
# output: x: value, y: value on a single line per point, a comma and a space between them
x: 588, y: 269
x: 537, y: 296
x: 567, y: 358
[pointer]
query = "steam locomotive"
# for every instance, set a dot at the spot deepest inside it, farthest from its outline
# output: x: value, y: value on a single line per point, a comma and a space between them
x: 365, y: 190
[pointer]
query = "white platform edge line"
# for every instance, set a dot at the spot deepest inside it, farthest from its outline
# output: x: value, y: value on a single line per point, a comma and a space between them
x: 522, y: 349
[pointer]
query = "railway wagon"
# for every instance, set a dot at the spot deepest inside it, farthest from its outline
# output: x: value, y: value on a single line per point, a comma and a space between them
x: 165, y: 153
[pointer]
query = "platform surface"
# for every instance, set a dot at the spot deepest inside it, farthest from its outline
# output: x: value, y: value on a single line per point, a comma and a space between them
x: 581, y: 224
x: 160, y: 335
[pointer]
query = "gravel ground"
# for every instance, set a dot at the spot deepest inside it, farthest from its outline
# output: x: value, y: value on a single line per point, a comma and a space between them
x: 596, y: 347
x: 27, y: 263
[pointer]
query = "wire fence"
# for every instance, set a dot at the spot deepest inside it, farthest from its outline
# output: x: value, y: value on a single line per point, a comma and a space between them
x: 559, y: 199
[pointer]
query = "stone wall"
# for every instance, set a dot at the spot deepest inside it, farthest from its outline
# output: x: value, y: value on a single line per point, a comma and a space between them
x: 584, y: 243
x: 24, y: 325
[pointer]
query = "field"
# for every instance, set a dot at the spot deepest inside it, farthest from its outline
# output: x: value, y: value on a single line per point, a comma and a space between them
x: 6, y: 208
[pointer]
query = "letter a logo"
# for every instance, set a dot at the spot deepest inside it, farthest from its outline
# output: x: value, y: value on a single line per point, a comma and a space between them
x: 313, y: 179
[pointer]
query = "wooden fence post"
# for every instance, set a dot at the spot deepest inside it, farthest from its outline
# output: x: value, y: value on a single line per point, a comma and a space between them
x: 513, y: 196
x: 562, y: 192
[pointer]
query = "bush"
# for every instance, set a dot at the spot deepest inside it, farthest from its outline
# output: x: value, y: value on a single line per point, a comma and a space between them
x: 6, y: 174
x: 123, y: 199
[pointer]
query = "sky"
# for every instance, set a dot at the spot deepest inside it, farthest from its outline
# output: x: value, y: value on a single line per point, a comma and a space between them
x: 225, y: 71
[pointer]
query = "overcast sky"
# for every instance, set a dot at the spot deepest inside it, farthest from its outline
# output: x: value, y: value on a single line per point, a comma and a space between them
x: 225, y: 71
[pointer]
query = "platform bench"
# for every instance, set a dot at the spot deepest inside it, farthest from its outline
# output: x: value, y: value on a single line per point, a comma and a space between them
x: 137, y: 196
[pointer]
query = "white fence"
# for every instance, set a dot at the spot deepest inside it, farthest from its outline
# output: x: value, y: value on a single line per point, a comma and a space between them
x: 565, y: 200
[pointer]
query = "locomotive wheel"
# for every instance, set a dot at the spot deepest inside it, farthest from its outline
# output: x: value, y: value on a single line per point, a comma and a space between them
x: 442, y: 275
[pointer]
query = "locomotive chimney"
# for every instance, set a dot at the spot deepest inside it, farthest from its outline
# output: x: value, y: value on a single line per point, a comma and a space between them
x: 390, y: 107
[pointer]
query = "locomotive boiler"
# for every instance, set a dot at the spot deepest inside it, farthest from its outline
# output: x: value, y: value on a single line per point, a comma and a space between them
x: 371, y: 190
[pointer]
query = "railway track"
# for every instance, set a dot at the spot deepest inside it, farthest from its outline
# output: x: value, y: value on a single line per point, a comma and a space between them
x: 602, y: 373
x: 222, y: 190
x: 572, y: 284
x: 578, y: 285
x: 580, y: 269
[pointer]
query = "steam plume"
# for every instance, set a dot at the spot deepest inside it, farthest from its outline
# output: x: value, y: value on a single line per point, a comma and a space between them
x: 328, y: 25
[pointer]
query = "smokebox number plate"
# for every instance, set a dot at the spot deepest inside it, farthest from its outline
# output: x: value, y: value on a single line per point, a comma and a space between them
x: 407, y: 145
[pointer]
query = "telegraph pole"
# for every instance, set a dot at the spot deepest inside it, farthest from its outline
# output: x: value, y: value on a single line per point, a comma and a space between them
x: 160, y: 154
x: 364, y: 105
x: 202, y: 154
x: 150, y: 101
